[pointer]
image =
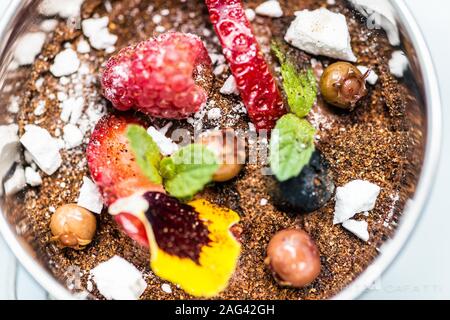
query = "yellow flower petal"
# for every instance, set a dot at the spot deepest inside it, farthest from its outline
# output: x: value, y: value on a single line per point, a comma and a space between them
x: 217, y: 261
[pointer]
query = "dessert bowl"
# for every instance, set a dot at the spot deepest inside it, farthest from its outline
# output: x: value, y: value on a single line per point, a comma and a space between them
x: 25, y: 233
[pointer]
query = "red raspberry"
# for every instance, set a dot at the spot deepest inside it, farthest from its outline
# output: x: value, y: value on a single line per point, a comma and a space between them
x: 158, y: 76
x: 258, y: 88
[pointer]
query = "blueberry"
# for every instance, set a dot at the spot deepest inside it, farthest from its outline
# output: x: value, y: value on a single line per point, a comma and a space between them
x: 309, y: 191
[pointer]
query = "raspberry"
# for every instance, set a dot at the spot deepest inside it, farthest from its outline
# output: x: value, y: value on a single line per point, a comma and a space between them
x: 258, y: 88
x: 159, y: 76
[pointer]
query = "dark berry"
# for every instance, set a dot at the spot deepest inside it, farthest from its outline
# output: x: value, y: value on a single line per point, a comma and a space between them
x: 343, y: 85
x: 310, y: 190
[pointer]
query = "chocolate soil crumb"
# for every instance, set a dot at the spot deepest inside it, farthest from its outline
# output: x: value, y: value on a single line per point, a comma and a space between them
x: 381, y: 141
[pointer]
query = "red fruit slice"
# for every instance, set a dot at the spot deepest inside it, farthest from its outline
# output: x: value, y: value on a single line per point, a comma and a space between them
x: 114, y: 169
x: 258, y: 88
x: 112, y: 162
x: 133, y: 227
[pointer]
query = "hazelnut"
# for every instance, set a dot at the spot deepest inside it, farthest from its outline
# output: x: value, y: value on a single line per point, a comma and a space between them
x: 343, y: 85
x: 294, y: 258
x: 230, y: 150
x: 73, y: 226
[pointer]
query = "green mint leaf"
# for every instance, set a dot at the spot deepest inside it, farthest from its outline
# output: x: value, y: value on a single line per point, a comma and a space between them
x: 146, y: 151
x: 300, y: 86
x: 167, y: 168
x: 291, y: 146
x: 188, y: 171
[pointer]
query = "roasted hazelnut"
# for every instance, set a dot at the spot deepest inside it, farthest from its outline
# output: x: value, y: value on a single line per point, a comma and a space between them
x: 73, y: 226
x: 343, y: 85
x: 229, y: 149
x: 294, y: 258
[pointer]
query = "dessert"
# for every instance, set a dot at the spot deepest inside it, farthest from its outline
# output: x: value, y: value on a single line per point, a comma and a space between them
x: 137, y: 138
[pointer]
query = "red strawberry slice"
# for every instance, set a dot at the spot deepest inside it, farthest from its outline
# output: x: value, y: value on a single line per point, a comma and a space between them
x: 134, y: 228
x: 258, y: 87
x: 114, y: 169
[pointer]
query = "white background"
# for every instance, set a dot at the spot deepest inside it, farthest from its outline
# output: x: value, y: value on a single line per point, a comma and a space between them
x: 422, y: 270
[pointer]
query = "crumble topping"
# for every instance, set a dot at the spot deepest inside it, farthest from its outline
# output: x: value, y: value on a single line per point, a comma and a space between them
x: 90, y: 197
x: 398, y: 64
x: 321, y: 32
x: 66, y: 63
x: 16, y: 182
x: 270, y: 8
x: 43, y: 148
x: 354, y: 197
x: 32, y: 177
x: 96, y: 30
x: 358, y: 228
x: 118, y: 279
x: 28, y: 47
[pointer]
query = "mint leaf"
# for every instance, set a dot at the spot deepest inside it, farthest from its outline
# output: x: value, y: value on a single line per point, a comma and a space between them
x: 167, y: 168
x: 146, y: 151
x: 188, y: 171
x: 300, y: 86
x: 291, y: 146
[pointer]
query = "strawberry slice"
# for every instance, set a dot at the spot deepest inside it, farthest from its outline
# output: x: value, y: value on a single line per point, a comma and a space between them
x: 134, y: 228
x: 257, y: 86
x: 114, y: 169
